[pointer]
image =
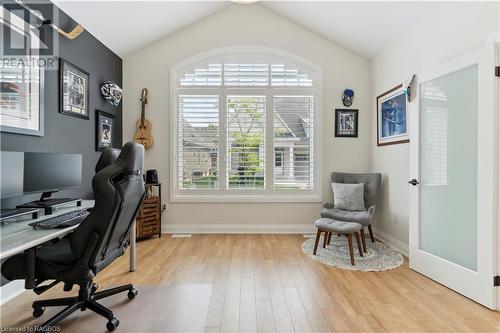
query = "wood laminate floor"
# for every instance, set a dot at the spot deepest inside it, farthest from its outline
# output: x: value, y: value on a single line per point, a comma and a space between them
x: 264, y: 283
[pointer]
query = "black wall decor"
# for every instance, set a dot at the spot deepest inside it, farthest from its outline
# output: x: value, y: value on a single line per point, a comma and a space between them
x: 69, y: 134
x: 104, y: 130
x: 73, y: 90
x: 346, y: 123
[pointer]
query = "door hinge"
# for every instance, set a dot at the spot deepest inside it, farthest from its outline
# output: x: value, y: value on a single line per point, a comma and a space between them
x: 496, y: 281
x: 497, y: 71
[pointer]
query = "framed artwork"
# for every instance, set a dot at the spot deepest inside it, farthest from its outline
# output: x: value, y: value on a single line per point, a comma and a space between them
x: 21, y: 85
x: 346, y: 123
x: 74, y: 90
x: 105, y: 132
x: 392, y: 117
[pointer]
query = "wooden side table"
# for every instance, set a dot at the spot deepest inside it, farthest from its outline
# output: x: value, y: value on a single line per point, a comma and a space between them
x: 148, y: 221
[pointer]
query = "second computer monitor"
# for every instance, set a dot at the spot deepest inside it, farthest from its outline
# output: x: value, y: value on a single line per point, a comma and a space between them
x: 46, y: 172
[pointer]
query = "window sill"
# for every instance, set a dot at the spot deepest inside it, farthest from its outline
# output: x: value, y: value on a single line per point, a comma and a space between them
x: 242, y: 198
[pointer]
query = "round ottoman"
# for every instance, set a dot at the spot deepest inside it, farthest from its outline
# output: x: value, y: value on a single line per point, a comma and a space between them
x: 329, y: 226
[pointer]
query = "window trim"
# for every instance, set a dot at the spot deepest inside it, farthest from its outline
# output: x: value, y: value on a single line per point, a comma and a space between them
x: 223, y: 194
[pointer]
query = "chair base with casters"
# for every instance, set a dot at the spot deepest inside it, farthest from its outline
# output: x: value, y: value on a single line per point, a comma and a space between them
x: 348, y: 229
x: 87, y: 299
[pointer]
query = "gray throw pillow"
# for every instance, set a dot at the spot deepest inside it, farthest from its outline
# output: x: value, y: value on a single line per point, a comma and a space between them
x: 349, y: 196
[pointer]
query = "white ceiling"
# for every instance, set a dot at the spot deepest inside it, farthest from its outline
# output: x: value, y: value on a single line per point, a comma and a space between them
x: 126, y: 26
x: 363, y: 27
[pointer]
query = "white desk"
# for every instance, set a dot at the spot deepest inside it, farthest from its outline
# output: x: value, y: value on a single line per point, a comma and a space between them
x: 17, y: 236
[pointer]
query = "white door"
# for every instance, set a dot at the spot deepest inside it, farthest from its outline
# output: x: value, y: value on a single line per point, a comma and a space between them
x: 452, y: 154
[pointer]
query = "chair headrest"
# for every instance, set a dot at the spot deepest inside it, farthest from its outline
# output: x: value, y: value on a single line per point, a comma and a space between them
x: 108, y: 156
x: 131, y: 157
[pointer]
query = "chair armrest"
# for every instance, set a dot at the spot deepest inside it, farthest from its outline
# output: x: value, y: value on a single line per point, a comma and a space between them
x: 328, y: 205
x: 371, y: 210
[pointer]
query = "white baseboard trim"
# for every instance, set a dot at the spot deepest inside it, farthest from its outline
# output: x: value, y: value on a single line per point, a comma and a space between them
x: 395, y: 243
x: 10, y: 290
x: 237, y: 228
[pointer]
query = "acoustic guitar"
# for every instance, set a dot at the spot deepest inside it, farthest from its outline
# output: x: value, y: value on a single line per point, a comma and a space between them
x: 143, y: 135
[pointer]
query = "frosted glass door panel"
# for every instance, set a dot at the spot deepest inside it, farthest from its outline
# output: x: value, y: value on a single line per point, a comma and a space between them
x: 448, y: 167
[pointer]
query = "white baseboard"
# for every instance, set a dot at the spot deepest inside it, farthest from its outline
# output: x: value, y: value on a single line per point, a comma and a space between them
x: 10, y: 290
x: 168, y: 228
x: 395, y: 243
x: 267, y: 229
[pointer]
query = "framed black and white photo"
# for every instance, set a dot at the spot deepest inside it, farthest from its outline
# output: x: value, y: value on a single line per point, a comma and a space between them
x: 105, y: 132
x: 74, y: 90
x: 346, y: 123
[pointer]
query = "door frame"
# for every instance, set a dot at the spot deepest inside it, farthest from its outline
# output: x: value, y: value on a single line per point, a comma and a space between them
x: 494, y: 43
x: 487, y: 211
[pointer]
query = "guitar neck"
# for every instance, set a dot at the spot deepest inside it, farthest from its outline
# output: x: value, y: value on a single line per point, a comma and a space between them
x: 143, y: 111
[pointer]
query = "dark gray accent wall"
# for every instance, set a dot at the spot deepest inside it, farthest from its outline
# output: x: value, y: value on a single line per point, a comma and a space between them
x: 68, y: 134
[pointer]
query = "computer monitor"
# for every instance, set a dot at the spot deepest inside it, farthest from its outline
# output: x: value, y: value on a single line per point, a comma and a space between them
x: 27, y: 172
x: 50, y: 172
x: 12, y: 171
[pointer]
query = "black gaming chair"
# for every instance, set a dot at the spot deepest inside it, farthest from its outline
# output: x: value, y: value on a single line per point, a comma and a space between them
x: 100, y: 239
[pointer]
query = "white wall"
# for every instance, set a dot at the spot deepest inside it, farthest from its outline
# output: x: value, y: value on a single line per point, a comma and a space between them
x: 248, y: 25
x: 450, y: 31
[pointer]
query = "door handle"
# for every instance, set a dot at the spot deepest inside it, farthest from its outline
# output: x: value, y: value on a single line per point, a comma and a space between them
x: 414, y: 182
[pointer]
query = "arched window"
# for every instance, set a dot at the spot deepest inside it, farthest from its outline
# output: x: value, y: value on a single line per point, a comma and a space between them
x: 245, y: 127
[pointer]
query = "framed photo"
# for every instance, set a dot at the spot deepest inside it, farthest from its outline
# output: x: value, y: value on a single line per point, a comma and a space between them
x: 346, y: 123
x: 392, y: 117
x: 105, y: 130
x: 74, y: 90
x: 21, y: 85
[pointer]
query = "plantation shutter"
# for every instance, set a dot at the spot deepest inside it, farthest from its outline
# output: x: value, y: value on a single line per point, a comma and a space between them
x: 210, y: 76
x: 246, y: 149
x: 293, y: 137
x: 198, y: 142
x: 246, y: 75
x: 282, y: 76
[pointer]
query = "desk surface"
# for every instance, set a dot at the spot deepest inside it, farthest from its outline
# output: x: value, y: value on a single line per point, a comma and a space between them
x: 16, y: 235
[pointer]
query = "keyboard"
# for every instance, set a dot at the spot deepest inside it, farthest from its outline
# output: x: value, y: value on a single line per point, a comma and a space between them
x: 62, y: 221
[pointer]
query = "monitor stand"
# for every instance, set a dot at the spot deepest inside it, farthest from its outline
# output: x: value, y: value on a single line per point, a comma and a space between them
x: 48, y: 203
x: 16, y: 212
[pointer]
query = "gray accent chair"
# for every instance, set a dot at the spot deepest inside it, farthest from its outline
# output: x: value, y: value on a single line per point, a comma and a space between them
x: 372, y: 182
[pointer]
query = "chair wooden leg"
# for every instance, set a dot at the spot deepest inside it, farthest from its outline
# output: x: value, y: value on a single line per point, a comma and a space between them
x: 371, y: 233
x: 325, y: 239
x: 318, y: 235
x: 351, y: 251
x: 329, y: 238
x: 363, y: 239
x: 358, y: 240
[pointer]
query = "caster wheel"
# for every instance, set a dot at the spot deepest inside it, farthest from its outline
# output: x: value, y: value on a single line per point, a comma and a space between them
x: 132, y: 293
x: 83, y: 308
x: 94, y: 288
x: 37, y: 312
x: 112, y: 324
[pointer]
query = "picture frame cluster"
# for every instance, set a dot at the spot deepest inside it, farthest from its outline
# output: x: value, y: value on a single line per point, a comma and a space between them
x: 74, y: 101
x: 392, y: 118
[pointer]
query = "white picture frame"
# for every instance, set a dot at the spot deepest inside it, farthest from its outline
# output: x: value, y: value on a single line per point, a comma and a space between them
x: 21, y: 81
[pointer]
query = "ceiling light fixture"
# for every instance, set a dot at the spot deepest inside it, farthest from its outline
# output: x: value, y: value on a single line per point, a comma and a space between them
x: 244, y: 2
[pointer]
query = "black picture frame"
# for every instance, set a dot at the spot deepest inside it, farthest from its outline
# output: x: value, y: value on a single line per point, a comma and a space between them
x: 73, y: 97
x: 346, y: 123
x: 104, y: 119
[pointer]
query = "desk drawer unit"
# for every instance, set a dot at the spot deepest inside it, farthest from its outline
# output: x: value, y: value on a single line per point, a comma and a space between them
x: 148, y: 220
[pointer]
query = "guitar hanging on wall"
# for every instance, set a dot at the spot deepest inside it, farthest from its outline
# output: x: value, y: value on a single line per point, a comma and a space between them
x: 143, y: 135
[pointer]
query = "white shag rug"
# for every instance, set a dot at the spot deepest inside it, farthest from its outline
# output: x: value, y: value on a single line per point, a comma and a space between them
x: 379, y: 256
